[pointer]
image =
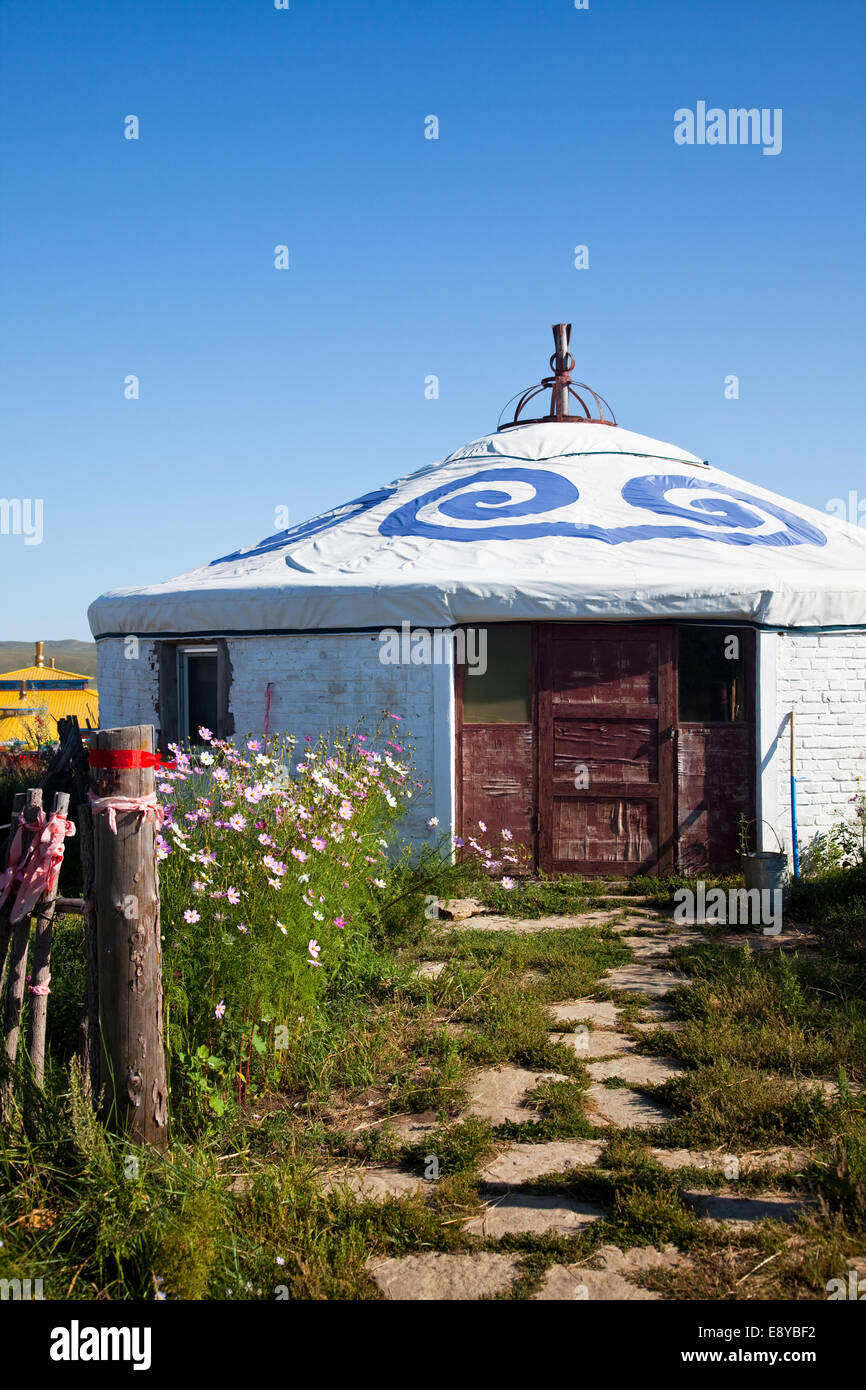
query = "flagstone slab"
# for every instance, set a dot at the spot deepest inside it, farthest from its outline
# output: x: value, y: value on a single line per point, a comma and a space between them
x: 598, y: 1042
x: 640, y: 978
x: 735, y: 1210
x: 651, y: 947
x: 657, y: 1009
x: 374, y: 1184
x: 625, y: 1109
x: 430, y: 969
x: 520, y: 1213
x: 638, y: 1258
x: 564, y: 1284
x: 602, y: 1012
x: 441, y: 1277
x: 519, y: 1163
x: 460, y: 909
x: 640, y: 1071
x: 499, y: 1093
x: 411, y: 1128
x: 780, y: 1159
x: 530, y: 926
x: 605, y: 1278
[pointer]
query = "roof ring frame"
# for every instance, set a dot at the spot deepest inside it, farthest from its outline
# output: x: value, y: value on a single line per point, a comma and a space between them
x: 594, y: 409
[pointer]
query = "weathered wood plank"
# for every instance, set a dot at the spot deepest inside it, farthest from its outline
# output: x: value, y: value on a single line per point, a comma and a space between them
x: 41, y: 969
x: 129, y: 958
x: 20, y: 947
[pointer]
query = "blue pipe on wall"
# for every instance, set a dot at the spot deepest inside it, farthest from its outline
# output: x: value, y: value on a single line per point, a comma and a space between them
x: 794, y: 838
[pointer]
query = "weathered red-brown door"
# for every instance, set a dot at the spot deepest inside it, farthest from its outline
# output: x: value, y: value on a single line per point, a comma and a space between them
x: 606, y: 720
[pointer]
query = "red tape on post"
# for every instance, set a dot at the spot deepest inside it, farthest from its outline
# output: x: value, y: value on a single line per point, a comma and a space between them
x: 124, y: 758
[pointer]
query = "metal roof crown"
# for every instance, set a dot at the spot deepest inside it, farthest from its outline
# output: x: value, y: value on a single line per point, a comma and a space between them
x: 564, y: 394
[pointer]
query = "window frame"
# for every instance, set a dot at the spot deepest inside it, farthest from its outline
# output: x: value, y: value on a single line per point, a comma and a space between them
x: 183, y: 652
x: 747, y: 635
x: 172, y: 719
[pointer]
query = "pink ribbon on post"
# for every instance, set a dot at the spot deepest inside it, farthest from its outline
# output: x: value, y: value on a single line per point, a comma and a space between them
x: 146, y: 806
x: 41, y: 868
x: 19, y: 855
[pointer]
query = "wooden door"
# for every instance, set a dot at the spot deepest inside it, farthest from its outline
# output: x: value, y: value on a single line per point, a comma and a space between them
x: 606, y: 728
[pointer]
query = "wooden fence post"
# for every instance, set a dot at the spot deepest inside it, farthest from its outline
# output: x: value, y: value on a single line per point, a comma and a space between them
x: 20, y: 946
x: 41, y: 967
x: 129, y: 956
x: 5, y: 924
x: 88, y: 1028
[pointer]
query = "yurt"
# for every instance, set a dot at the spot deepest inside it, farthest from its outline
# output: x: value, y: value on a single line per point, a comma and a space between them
x: 597, y: 640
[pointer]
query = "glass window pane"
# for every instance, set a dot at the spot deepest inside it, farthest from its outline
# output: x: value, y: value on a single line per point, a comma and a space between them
x: 201, y: 686
x: 712, y: 675
x: 497, y: 676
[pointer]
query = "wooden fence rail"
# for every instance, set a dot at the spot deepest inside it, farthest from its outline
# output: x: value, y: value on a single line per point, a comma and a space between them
x: 120, y: 1033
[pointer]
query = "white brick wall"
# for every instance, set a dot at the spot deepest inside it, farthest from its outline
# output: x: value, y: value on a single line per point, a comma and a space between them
x: 323, y: 682
x: 320, y: 683
x: 822, y: 677
x: 128, y: 685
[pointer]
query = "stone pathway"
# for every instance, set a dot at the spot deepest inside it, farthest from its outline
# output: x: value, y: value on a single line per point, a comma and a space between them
x: 595, y: 1030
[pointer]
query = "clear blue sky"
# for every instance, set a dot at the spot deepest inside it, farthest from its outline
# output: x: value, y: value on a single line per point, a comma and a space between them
x: 452, y: 257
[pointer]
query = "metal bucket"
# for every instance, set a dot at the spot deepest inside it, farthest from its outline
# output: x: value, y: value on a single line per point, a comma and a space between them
x: 767, y: 869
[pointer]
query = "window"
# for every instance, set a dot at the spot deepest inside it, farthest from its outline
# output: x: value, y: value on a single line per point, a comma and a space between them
x: 712, y: 675
x: 497, y: 675
x: 197, y: 687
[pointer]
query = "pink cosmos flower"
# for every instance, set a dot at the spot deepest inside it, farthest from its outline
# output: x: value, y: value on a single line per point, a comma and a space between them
x: 205, y: 734
x: 340, y: 922
x: 507, y: 882
x: 221, y: 1006
x: 233, y: 896
x: 482, y: 826
x: 238, y: 822
x: 190, y: 915
x: 318, y: 842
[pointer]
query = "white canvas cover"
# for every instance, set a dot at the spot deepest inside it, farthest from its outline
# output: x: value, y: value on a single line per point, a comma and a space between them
x: 547, y: 521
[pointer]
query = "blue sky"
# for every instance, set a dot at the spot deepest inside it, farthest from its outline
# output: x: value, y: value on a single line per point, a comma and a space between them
x: 262, y: 388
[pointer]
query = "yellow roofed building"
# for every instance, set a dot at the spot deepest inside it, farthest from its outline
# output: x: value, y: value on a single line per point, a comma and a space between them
x: 33, y: 698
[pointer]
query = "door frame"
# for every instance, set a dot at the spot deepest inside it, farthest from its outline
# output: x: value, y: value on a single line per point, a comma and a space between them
x: 751, y: 721
x: 459, y: 725
x: 666, y: 821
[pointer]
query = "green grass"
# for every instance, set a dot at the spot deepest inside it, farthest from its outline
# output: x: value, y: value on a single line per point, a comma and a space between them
x: 238, y: 1192
x: 533, y: 898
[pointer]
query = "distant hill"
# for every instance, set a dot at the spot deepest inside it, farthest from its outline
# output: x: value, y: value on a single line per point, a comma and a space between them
x: 69, y: 654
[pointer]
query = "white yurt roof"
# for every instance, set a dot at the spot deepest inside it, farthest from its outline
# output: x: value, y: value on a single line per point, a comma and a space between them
x: 543, y: 521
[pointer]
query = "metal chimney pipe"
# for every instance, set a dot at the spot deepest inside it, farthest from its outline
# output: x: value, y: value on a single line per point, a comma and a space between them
x: 559, y: 403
